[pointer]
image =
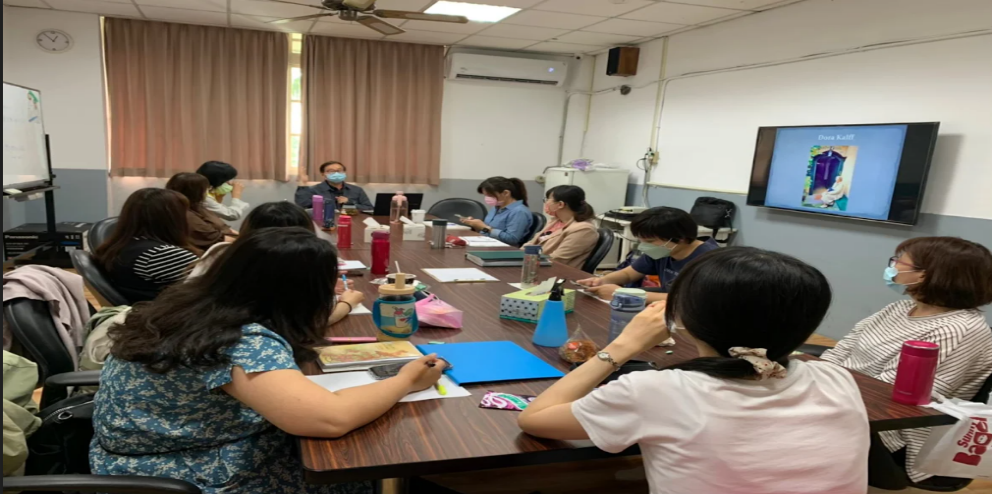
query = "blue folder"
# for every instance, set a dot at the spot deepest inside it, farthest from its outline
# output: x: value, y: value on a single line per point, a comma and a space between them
x: 491, y: 362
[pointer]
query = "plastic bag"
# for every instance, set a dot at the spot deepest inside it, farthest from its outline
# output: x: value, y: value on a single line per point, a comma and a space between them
x: 962, y: 450
x: 578, y: 349
x: 437, y: 313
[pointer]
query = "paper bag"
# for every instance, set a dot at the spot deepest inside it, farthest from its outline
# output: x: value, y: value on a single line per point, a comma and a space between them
x: 963, y: 450
x: 434, y: 312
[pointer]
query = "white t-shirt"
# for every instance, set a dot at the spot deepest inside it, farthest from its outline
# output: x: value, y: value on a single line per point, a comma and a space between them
x: 805, y: 434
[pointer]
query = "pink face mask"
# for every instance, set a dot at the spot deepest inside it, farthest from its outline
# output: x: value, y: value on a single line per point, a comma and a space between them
x: 492, y: 201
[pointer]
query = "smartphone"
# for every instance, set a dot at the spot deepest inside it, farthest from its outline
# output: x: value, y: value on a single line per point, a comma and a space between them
x: 386, y: 371
x: 459, y: 216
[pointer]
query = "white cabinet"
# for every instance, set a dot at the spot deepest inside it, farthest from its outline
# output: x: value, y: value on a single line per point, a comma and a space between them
x: 606, y: 190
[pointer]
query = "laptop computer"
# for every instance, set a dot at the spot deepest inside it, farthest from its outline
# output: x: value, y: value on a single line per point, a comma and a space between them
x: 384, y: 202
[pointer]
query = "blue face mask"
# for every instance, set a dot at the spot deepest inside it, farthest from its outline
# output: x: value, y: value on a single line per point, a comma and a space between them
x: 337, y: 177
x: 890, y: 280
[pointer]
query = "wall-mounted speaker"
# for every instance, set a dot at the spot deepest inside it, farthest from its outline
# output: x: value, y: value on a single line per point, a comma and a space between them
x: 623, y: 61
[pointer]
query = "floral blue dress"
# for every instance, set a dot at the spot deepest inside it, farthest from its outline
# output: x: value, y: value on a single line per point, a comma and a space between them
x: 180, y: 425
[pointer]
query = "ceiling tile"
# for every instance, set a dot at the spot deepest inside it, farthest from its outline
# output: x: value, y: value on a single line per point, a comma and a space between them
x: 26, y: 3
x: 597, y: 39
x: 270, y: 9
x: 427, y: 37
x: 262, y: 23
x: 733, y: 4
x: 443, y: 27
x: 520, y: 4
x: 411, y: 5
x: 209, y: 5
x: 185, y: 16
x: 96, y: 7
x: 345, y: 30
x: 555, y: 47
x: 492, y: 42
x: 523, y: 32
x: 552, y: 19
x: 676, y: 13
x: 599, y: 8
x: 633, y: 28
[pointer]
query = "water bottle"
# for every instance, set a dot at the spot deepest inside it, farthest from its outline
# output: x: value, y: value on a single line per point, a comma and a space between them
x: 380, y: 253
x: 627, y: 303
x: 395, y: 312
x: 344, y: 232
x: 552, y: 330
x: 330, y: 217
x: 439, y: 234
x: 532, y: 263
x: 399, y: 208
x: 318, y: 211
x: 917, y: 373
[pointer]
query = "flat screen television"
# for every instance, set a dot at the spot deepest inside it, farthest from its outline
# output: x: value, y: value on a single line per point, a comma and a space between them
x: 867, y: 172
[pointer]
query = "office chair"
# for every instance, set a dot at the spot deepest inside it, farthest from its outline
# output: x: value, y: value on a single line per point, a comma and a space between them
x: 97, y: 484
x: 814, y: 350
x: 540, y: 222
x: 32, y: 326
x: 100, y: 232
x: 95, y: 278
x: 448, y: 208
x: 603, y: 247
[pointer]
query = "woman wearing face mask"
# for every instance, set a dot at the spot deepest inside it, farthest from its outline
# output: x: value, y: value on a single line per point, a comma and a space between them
x: 947, y: 279
x: 669, y: 242
x: 510, y: 219
x: 221, y: 176
x: 571, y: 237
x: 334, y: 189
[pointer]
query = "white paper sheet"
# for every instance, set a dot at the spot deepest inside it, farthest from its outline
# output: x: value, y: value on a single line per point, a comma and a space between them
x: 483, y: 242
x: 361, y: 310
x: 459, y: 275
x: 351, y: 266
x: 451, y: 226
x: 346, y: 380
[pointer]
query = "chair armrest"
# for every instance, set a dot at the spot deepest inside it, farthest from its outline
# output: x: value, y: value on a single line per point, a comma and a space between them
x: 814, y: 350
x: 74, y: 379
x: 98, y: 484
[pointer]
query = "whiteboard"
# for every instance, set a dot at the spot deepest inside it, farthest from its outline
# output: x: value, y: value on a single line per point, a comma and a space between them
x: 25, y: 159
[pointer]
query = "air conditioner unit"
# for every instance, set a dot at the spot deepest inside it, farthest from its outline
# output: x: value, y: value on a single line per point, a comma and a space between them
x: 512, y: 70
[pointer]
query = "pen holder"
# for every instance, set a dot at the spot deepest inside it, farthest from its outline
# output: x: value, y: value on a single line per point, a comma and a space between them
x: 395, y: 312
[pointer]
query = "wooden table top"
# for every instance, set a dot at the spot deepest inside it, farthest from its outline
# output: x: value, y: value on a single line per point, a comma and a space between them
x: 455, y: 435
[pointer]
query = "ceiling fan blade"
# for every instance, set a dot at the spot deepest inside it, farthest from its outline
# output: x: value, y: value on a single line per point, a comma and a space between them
x: 420, y: 16
x: 298, y: 4
x: 379, y: 25
x: 304, y: 18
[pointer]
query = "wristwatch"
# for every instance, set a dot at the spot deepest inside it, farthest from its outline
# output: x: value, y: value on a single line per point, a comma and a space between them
x: 486, y: 231
x: 606, y: 357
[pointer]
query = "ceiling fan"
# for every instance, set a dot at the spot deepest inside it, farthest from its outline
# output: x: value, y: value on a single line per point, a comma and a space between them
x: 365, y: 13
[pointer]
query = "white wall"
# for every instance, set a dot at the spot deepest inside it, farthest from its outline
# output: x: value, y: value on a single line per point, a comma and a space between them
x: 708, y: 127
x: 72, y: 82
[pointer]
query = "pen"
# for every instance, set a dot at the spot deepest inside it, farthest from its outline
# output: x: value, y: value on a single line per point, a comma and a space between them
x: 344, y: 278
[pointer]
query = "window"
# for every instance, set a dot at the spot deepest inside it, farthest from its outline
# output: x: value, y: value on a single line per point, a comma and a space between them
x: 295, y: 101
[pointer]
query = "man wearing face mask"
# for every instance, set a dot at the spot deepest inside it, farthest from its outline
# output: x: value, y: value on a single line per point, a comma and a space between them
x: 335, y: 189
x: 669, y: 242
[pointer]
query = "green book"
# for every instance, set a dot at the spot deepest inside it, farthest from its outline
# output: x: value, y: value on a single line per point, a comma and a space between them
x: 501, y: 259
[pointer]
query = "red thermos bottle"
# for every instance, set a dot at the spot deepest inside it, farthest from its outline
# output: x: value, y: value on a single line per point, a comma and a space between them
x: 344, y: 232
x: 380, y: 253
x: 917, y: 372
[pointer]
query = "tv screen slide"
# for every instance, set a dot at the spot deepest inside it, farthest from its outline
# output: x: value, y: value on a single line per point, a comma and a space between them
x: 869, y: 172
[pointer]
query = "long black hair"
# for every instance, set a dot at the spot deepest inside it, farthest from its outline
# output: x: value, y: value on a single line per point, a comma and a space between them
x: 575, y: 198
x: 277, y: 215
x: 281, y: 278
x: 747, y: 297
x: 218, y: 173
x: 496, y: 185
x: 155, y: 214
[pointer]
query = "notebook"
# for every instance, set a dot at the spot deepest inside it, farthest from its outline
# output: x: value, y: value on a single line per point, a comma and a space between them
x: 483, y: 242
x: 347, y: 358
x: 491, y: 362
x: 501, y: 259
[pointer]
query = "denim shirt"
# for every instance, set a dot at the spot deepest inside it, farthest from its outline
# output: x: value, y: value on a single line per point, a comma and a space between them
x: 511, y: 224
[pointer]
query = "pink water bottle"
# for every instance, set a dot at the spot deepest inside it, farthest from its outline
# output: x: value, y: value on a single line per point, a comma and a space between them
x: 917, y: 372
x: 399, y: 207
x: 380, y: 253
x: 344, y: 231
x: 318, y: 211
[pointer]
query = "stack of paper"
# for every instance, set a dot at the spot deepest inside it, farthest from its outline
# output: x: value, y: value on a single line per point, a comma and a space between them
x: 456, y: 275
x: 483, y: 242
x: 347, y: 380
x: 351, y: 266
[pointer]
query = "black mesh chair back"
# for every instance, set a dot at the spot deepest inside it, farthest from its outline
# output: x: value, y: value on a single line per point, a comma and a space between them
x: 540, y: 222
x: 34, y: 329
x: 603, y: 248
x: 96, y: 279
x: 100, y: 232
x: 448, y: 208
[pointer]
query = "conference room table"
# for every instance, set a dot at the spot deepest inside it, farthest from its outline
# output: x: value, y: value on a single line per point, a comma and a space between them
x: 456, y: 435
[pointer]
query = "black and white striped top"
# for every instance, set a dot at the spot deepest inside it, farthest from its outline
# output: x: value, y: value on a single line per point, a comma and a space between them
x: 147, y: 267
x: 874, y: 346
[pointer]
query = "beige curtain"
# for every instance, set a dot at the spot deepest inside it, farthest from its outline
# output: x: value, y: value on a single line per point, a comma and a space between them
x: 182, y: 95
x: 374, y: 106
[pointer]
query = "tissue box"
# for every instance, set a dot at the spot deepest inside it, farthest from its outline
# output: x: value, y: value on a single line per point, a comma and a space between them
x: 414, y: 232
x: 369, y: 230
x: 521, y: 306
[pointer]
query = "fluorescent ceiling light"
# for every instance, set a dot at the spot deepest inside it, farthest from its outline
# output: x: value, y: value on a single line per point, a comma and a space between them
x: 474, y: 12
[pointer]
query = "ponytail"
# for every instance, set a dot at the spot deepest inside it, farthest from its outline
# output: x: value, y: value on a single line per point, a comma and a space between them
x: 521, y: 193
x: 496, y: 185
x: 575, y: 198
x: 722, y: 367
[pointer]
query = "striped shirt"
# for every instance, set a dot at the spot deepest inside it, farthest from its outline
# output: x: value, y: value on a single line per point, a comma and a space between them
x: 145, y: 268
x: 965, y: 361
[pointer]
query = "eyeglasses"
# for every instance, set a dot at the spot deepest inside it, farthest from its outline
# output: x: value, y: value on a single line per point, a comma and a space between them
x: 895, y: 262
